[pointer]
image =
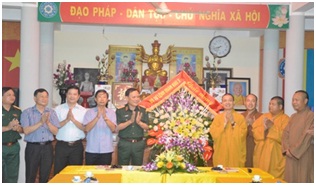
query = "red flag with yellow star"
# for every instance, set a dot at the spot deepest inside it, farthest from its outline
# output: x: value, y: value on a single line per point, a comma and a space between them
x: 11, y: 54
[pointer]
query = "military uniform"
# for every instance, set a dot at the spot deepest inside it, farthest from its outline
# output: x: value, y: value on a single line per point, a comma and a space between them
x: 10, y: 147
x: 131, y: 144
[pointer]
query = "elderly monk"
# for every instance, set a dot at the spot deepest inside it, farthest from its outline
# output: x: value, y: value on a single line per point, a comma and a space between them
x: 267, y: 132
x: 229, y: 131
x: 251, y: 114
x: 297, y: 141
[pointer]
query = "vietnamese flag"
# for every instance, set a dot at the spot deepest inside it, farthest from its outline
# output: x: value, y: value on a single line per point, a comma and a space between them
x: 11, y: 54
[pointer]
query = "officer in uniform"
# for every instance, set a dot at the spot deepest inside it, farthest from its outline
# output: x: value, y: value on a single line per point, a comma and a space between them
x: 132, y: 120
x: 10, y: 135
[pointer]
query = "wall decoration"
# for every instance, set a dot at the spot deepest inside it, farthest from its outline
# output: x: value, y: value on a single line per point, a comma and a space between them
x: 189, y: 60
x: 125, y: 68
x: 118, y: 93
x: 220, y: 74
x: 85, y: 76
x: 239, y: 88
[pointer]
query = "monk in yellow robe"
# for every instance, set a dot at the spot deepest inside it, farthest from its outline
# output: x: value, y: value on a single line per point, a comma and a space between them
x: 250, y: 115
x: 228, y: 131
x: 298, y: 141
x: 267, y: 132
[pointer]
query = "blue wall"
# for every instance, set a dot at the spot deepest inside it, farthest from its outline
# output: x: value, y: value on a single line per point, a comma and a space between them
x: 310, y: 76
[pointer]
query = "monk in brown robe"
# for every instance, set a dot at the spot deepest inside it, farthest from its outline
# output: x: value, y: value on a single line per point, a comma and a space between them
x: 297, y: 141
x: 251, y: 114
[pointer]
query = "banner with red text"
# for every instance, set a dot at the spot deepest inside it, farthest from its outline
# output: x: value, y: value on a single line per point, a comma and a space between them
x: 182, y: 80
x: 201, y: 15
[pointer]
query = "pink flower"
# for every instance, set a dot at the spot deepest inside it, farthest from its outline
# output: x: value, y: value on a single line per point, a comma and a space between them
x: 186, y: 65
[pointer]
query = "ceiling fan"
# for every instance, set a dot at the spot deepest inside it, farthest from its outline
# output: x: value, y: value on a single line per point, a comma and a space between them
x: 162, y: 9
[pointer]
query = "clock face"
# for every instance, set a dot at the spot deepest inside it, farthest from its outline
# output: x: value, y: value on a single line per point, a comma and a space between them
x: 219, y: 46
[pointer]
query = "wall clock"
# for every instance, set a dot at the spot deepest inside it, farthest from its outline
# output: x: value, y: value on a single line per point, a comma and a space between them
x: 220, y: 46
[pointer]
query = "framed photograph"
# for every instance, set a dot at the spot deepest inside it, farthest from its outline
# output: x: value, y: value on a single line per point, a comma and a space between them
x: 124, y: 67
x: 220, y: 75
x: 187, y: 59
x: 239, y: 88
x: 86, y: 78
x: 118, y: 93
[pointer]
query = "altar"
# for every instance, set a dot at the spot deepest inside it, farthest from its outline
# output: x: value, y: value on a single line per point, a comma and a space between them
x: 106, y: 175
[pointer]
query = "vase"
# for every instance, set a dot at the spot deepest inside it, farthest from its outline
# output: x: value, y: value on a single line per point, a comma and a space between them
x: 62, y: 93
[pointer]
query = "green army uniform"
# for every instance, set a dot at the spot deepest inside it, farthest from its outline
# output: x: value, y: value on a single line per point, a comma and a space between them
x: 131, y: 145
x: 10, y: 147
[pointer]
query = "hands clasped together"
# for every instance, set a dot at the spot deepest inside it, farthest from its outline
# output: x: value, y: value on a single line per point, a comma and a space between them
x: 14, y: 125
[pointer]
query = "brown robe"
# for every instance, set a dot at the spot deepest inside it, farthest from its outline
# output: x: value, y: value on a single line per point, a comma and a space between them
x: 299, y: 143
x: 250, y: 144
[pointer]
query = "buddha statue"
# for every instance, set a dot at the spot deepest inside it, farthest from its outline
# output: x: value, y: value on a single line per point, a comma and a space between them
x: 155, y: 62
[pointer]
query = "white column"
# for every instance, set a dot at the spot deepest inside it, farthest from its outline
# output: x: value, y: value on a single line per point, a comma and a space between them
x: 270, y: 67
x: 46, y: 58
x: 294, y: 59
x: 29, y: 65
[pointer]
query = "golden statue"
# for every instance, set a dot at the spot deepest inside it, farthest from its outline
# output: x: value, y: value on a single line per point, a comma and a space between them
x: 156, y: 61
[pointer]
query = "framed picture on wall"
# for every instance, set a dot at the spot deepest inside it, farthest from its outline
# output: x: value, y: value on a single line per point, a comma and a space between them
x: 239, y: 88
x: 118, y: 93
x: 187, y: 59
x: 221, y: 74
x: 124, y: 66
x: 86, y: 78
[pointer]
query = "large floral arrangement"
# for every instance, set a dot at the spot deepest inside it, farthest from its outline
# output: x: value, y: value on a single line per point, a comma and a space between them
x: 169, y: 162
x: 181, y: 124
x: 129, y: 74
x: 64, y: 77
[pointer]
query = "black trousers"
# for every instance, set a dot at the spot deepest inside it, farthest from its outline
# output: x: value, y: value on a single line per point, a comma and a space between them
x: 67, y: 155
x: 98, y: 159
x: 38, y: 156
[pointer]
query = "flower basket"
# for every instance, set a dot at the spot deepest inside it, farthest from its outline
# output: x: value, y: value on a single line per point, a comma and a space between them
x: 63, y: 78
x: 169, y: 162
x: 181, y: 124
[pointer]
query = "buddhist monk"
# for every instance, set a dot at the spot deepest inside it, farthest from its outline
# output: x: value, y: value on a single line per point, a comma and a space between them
x: 267, y: 132
x: 251, y: 114
x: 297, y: 141
x: 229, y: 131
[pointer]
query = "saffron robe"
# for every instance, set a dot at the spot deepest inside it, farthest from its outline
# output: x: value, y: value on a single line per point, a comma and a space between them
x: 268, y: 150
x: 239, y: 100
x: 250, y: 143
x: 229, y: 143
x: 301, y: 167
